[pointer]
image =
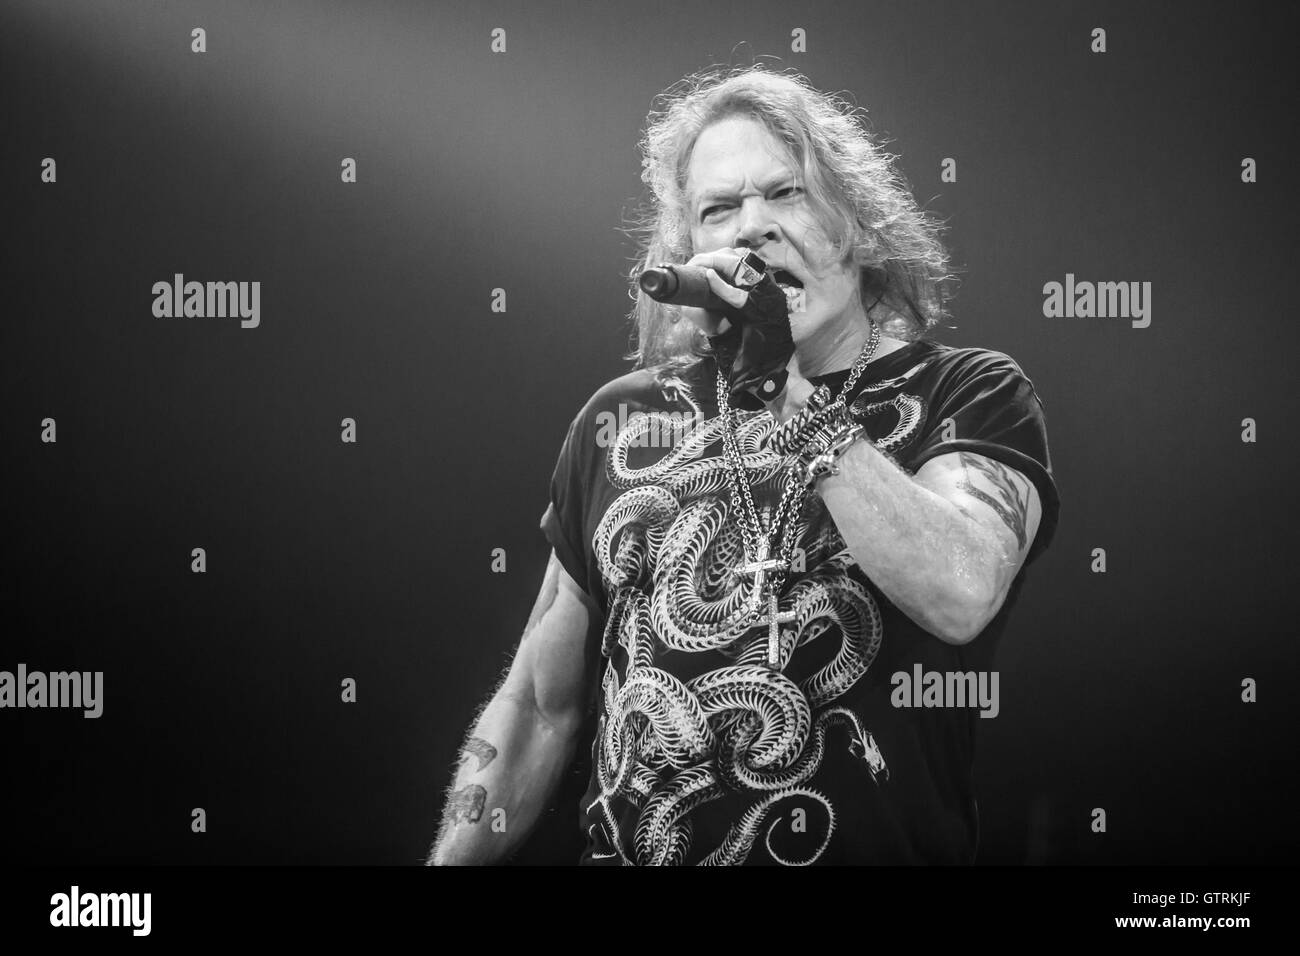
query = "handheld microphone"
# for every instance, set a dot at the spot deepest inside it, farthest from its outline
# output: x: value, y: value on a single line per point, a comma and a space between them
x: 681, y: 285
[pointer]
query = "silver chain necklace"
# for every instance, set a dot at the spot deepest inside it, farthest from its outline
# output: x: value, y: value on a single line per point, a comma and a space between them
x: 758, y: 540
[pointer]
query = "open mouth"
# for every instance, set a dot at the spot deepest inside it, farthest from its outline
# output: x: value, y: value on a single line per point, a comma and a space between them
x: 793, y: 289
x: 786, y: 280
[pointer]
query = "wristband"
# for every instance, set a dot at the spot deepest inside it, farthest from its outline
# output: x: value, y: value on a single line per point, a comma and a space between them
x: 824, y: 462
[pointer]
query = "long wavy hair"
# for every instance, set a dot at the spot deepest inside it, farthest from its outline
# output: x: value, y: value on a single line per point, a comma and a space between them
x: 853, y: 186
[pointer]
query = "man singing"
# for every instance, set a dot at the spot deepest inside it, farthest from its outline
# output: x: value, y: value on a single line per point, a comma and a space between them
x: 806, y: 532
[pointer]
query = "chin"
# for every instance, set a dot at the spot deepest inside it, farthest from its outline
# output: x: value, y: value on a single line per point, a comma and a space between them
x: 804, y: 325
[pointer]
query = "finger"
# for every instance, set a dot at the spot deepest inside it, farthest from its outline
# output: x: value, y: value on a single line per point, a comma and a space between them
x: 725, y: 291
x: 724, y: 261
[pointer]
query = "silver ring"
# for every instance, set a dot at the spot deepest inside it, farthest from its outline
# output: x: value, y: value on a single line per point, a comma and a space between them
x: 749, y: 272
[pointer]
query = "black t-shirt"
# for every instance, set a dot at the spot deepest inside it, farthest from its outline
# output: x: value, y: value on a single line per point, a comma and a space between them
x: 704, y: 754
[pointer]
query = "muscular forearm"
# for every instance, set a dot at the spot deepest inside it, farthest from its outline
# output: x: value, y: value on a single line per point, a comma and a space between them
x: 928, y: 557
x: 510, y: 765
x: 931, y: 559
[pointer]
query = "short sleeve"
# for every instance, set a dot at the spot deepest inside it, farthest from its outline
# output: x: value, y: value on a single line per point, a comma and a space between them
x: 562, y: 521
x: 996, y: 412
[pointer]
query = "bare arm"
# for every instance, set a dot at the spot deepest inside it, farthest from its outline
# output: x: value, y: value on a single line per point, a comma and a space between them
x: 525, y: 737
x: 944, y: 545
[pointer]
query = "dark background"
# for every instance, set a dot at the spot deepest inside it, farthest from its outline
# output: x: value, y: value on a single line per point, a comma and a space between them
x: 478, y: 170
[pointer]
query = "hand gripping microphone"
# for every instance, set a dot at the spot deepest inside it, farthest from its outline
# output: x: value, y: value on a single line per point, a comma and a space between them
x: 681, y: 285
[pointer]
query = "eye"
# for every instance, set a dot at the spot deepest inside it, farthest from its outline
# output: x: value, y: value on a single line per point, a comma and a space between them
x: 708, y: 212
x: 787, y: 189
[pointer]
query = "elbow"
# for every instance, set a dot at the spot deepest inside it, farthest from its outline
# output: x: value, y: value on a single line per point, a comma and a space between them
x: 561, y: 718
x: 960, y: 636
x: 550, y: 716
x: 562, y: 724
x: 966, y: 616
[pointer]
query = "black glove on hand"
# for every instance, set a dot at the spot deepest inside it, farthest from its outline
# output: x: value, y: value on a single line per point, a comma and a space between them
x: 758, y: 345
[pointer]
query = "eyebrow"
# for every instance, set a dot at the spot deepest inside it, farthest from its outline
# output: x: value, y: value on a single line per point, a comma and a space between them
x: 713, y: 194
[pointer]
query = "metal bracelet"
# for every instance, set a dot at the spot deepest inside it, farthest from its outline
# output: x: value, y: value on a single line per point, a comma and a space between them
x: 824, y: 463
x: 812, y: 419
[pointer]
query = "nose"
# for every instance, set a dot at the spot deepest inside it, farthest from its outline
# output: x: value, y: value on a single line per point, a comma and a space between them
x: 756, y: 226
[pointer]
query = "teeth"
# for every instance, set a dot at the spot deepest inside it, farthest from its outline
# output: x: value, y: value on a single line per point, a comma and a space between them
x: 793, y: 297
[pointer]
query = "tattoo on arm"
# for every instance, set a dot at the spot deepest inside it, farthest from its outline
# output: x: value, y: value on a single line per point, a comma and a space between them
x: 480, y: 748
x: 966, y: 511
x: 1011, y: 503
x: 465, y: 805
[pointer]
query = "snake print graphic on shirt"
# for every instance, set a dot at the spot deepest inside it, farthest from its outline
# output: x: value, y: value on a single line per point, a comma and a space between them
x: 668, y: 549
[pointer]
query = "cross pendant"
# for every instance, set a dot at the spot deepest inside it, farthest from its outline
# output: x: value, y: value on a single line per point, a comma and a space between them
x: 775, y: 616
x: 761, y: 565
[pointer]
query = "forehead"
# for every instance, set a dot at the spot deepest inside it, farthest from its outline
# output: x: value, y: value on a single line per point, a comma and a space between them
x: 734, y: 152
